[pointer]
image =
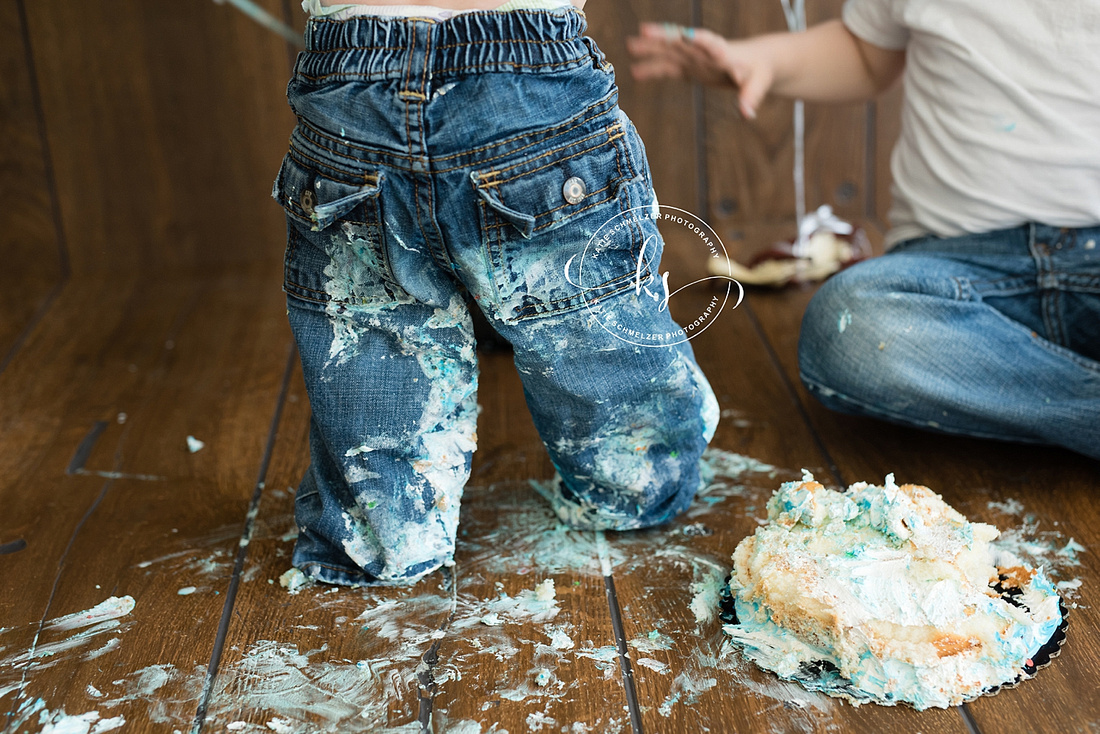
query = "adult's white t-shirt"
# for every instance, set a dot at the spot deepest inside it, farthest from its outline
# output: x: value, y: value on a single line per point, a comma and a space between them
x: 1001, y: 120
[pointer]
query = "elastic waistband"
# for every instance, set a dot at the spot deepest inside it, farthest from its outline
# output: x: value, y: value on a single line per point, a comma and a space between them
x: 420, y: 49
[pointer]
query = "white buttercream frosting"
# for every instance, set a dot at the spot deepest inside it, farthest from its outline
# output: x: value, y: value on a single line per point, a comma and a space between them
x: 892, y: 589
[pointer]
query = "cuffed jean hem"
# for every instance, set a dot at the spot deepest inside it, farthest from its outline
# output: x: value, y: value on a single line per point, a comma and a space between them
x: 340, y: 576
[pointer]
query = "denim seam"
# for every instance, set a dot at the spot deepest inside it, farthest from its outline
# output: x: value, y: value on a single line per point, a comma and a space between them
x: 299, y: 153
x: 564, y: 128
x: 874, y: 410
x: 496, y: 172
x: 291, y: 250
x: 548, y: 307
x: 545, y: 309
x: 430, y: 185
x: 434, y: 21
x: 962, y: 289
x: 378, y: 247
x: 550, y: 42
x: 1080, y: 283
x: 290, y: 289
x: 623, y: 207
x: 298, y: 286
x: 1058, y: 323
x: 448, y: 70
x: 493, y: 242
x: 346, y: 573
x: 339, y: 49
x: 424, y: 71
x: 1053, y: 347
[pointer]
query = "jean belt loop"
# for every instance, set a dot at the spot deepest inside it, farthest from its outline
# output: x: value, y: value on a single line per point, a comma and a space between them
x: 417, y: 75
x: 598, y: 58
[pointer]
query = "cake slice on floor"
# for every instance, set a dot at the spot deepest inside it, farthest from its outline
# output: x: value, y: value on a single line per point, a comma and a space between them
x: 885, y: 594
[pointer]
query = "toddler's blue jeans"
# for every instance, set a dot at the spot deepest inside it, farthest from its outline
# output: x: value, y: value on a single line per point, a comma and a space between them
x: 442, y: 166
x: 993, y: 335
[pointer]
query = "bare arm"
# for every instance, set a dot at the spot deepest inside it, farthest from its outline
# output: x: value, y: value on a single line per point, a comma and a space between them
x: 826, y: 63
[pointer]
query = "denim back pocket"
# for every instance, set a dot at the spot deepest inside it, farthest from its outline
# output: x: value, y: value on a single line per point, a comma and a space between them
x: 539, y: 213
x: 344, y: 264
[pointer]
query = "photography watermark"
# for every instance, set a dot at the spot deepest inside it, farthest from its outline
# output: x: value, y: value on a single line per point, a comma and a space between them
x: 645, y: 320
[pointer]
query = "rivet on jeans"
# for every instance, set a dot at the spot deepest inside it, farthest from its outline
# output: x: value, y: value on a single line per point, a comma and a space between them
x: 573, y: 190
x: 308, y: 201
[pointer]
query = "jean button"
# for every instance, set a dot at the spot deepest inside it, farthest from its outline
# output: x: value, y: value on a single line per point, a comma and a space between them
x: 308, y: 201
x: 573, y: 190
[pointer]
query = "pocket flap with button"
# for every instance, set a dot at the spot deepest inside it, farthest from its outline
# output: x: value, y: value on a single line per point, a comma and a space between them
x: 545, y: 191
x: 318, y: 200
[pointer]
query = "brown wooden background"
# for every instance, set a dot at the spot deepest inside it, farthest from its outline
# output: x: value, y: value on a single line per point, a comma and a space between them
x: 140, y: 303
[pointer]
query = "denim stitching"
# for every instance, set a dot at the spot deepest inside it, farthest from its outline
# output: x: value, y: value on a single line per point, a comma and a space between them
x: 569, y: 125
x: 424, y: 71
x: 876, y: 411
x: 447, y: 70
x: 463, y: 44
x: 497, y: 172
x: 340, y: 49
x: 528, y: 312
x: 578, y: 211
x: 287, y: 288
x: 494, y: 245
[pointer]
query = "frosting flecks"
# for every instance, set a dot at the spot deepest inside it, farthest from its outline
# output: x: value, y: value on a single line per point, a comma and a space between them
x: 885, y: 594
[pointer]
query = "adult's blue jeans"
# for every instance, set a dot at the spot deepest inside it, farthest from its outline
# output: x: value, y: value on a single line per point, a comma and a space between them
x: 995, y: 335
x: 443, y: 166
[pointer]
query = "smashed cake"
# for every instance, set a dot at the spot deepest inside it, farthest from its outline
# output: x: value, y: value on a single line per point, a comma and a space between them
x: 886, y: 594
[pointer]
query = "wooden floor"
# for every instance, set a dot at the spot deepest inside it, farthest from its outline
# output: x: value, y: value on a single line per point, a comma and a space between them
x: 140, y: 305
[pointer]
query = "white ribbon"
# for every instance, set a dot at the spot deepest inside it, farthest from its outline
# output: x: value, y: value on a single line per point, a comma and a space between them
x: 822, y: 219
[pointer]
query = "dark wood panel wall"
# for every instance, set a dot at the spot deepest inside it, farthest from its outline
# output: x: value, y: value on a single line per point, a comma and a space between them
x: 32, y: 258
x: 164, y: 124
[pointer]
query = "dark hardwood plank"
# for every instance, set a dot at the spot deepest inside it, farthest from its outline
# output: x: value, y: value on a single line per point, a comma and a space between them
x: 166, y: 124
x: 1045, y: 495
x: 34, y: 262
x: 143, y: 517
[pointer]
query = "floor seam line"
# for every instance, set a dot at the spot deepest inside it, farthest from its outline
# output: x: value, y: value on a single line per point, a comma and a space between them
x: 242, y: 550
x: 968, y: 719
x: 620, y: 635
x: 21, y: 694
x: 64, y: 266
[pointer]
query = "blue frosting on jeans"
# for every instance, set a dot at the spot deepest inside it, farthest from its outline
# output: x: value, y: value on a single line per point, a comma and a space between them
x: 427, y: 176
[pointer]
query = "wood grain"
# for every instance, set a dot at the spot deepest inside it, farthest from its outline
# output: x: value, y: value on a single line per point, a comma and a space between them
x: 663, y: 113
x: 34, y: 261
x: 143, y: 516
x: 373, y: 641
x: 166, y: 123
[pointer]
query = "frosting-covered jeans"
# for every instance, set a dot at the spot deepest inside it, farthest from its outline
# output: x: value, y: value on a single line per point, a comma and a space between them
x: 443, y: 166
x: 994, y: 335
